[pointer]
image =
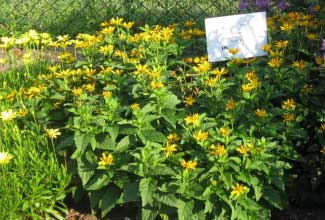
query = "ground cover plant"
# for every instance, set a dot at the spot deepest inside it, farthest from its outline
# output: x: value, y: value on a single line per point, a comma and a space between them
x: 138, y: 121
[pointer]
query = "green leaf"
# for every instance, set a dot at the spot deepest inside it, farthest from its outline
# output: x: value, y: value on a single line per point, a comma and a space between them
x: 82, y: 141
x: 98, y: 181
x: 113, y: 132
x: 123, y: 144
x: 147, y: 189
x: 110, y: 199
x: 170, y: 116
x: 169, y: 200
x: 148, y: 214
x: 130, y: 193
x: 152, y: 136
x: 185, y: 210
x: 170, y: 101
x: 273, y: 197
x: 106, y: 144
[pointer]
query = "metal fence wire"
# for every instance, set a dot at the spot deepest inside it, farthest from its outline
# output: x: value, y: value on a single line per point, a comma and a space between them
x: 75, y: 16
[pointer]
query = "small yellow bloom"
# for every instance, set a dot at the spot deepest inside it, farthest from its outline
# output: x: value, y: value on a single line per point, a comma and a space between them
x: 275, y: 62
x: 282, y: 44
x: 312, y: 36
x: 107, y: 49
x: 231, y: 104
x: 322, y: 126
x: 260, y: 113
x: 243, y: 150
x: 267, y: 47
x: 156, y: 85
x: 106, y: 94
x: 189, y: 23
x: 202, y: 67
x: 189, y: 164
x: 218, y: 150
x: 224, y: 131
x: 106, y: 159
x: 201, y: 135
x: 116, y: 21
x: 299, y: 64
x: 289, y: 117
x: 238, y: 190
x: 307, y: 89
x: 77, y: 91
x: 172, y: 138
x: 53, y: 133
x: 5, y: 157
x: 323, y: 150
x: 220, y: 72
x: 135, y: 106
x: 287, y: 27
x: 3, y: 61
x: 189, y: 100
x: 170, y: 149
x: 289, y: 104
x: 193, y: 119
x: 8, y: 115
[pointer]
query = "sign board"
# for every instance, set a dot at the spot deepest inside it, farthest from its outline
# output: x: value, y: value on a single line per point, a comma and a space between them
x: 247, y: 32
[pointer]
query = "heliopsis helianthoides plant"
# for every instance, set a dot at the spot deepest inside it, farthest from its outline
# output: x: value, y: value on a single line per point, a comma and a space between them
x: 178, y: 136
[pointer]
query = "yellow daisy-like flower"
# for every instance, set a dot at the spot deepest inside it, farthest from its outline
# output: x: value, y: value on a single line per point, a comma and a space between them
x: 170, y: 149
x: 275, y: 62
x: 322, y: 126
x: 307, y: 89
x: 193, y: 119
x: 201, y: 135
x: 231, y: 104
x: 238, y: 190
x: 189, y: 165
x: 156, y: 85
x: 243, y: 150
x: 189, y: 100
x: 312, y: 36
x: 5, y: 157
x: 289, y: 104
x: 299, y: 64
x: 323, y: 150
x: 224, y: 131
x: 218, y: 150
x: 106, y: 94
x: 189, y: 23
x: 220, y: 72
x: 289, y: 117
x: 53, y: 133
x: 287, y: 27
x: 8, y: 115
x: 282, y: 44
x: 135, y: 106
x: 260, y: 113
x: 172, y: 138
x: 76, y: 91
x: 267, y: 47
x: 106, y: 159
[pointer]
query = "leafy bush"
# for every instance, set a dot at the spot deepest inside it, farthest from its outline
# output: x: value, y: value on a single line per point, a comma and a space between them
x: 178, y: 136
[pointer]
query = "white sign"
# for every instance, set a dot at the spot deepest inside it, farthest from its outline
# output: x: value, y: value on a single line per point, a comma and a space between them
x: 246, y: 32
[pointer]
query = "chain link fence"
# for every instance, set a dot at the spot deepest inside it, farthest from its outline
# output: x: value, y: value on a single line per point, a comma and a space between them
x: 75, y: 16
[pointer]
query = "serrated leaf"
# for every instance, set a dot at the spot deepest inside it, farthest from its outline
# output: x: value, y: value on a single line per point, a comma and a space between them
x: 169, y: 200
x: 130, y: 193
x: 109, y: 199
x: 123, y: 144
x: 170, y: 101
x: 113, y: 132
x: 185, y: 210
x: 152, y: 136
x: 170, y: 116
x: 148, y: 214
x: 147, y: 188
x: 98, y: 181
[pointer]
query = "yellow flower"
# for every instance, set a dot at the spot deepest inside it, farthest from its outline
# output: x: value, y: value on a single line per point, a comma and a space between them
x: 233, y: 51
x: 307, y: 89
x: 135, y: 106
x: 323, y: 150
x: 107, y: 49
x: 312, y: 36
x: 201, y: 136
x: 281, y: 44
x: 211, y: 81
x: 172, y: 138
x: 218, y: 150
x: 8, y: 115
x: 243, y: 150
x: 202, y: 67
x: 289, y: 104
x: 248, y: 87
x: 128, y: 25
x: 322, y: 126
x: 141, y: 69
x: 260, y: 113
x: 189, y: 164
x: 287, y: 27
x: 299, y: 64
x: 224, y: 131
x: 189, y: 23
x: 5, y: 157
x: 156, y: 85
x: 170, y: 149
x: 77, y: 91
x: 116, y: 21
x: 53, y: 133
x: 3, y: 61
x: 275, y: 62
x: 238, y: 190
x: 267, y: 47
x: 288, y: 117
x: 230, y: 104
x: 107, y: 30
x: 193, y: 119
x: 106, y: 94
x: 106, y: 159
x: 189, y: 100
x: 220, y: 72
